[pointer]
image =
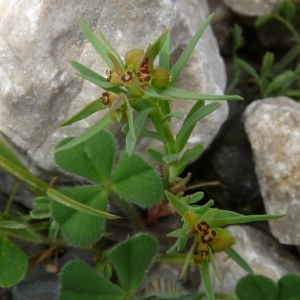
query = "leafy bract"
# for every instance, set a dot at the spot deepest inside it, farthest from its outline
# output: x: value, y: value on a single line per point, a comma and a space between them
x: 13, y: 263
x: 238, y: 259
x: 79, y: 281
x: 137, y: 181
x: 79, y: 228
x: 92, y: 159
x: 131, y: 259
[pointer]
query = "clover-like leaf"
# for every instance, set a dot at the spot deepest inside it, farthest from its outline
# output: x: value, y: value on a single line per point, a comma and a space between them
x: 79, y: 228
x: 79, y: 281
x: 131, y: 259
x: 92, y: 159
x: 13, y: 263
x: 137, y: 181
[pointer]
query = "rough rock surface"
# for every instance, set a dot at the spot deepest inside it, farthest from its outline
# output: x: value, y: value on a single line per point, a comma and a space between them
x: 263, y: 253
x: 252, y: 8
x: 39, y: 88
x: 272, y: 126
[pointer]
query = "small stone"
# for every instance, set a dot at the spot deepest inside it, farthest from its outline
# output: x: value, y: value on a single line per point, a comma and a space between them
x: 263, y: 253
x: 272, y: 126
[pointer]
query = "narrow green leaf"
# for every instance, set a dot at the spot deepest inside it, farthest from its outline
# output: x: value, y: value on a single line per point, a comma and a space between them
x: 289, y: 287
x: 185, y: 55
x: 164, y: 53
x: 189, y: 156
x: 155, y: 155
x: 262, y: 20
x: 111, y: 49
x: 85, y: 112
x: 256, y: 287
x: 171, y: 93
x: 266, y: 67
x: 152, y: 93
x: 99, y: 46
x: 204, y: 270
x: 223, y: 214
x: 198, y: 104
x: 188, y: 259
x: 89, y: 133
x: 178, y: 205
x: 238, y: 259
x: 244, y: 219
x: 137, y: 181
x: 190, y: 199
x: 138, y: 125
x: 130, y: 120
x: 152, y: 135
x: 69, y: 202
x: 40, y: 213
x: 95, y: 78
x: 6, y: 153
x: 287, y: 76
x: 131, y: 259
x: 214, y: 265
x: 13, y: 263
x: 238, y: 39
x: 19, y: 231
x: 175, y: 114
x: 243, y: 64
x: 79, y: 281
x: 92, y: 159
x: 287, y: 9
x: 187, y: 128
x: 170, y: 158
x: 78, y: 228
x: 178, y: 233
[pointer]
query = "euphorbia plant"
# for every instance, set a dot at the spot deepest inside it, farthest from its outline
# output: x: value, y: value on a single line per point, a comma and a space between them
x: 136, y: 91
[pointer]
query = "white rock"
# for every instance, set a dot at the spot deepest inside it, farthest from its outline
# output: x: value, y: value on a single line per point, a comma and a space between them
x: 263, y: 254
x: 39, y: 88
x: 272, y: 126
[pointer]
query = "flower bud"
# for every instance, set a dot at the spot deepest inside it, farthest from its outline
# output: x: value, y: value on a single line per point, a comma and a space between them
x: 161, y: 78
x: 222, y: 240
x: 133, y: 58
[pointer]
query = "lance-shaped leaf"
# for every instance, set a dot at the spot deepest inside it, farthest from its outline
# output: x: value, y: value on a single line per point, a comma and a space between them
x: 248, y: 68
x: 243, y: 219
x: 92, y: 159
x: 189, y: 156
x: 238, y: 259
x: 182, y: 94
x: 89, y: 133
x: 79, y: 281
x: 164, y: 53
x: 138, y: 125
x: 78, y: 228
x: 187, y: 128
x: 177, y: 204
x: 88, y: 110
x: 131, y: 259
x: 205, y: 277
x: 155, y: 155
x: 18, y: 230
x: 13, y: 263
x: 137, y: 181
x: 181, y: 62
x: 99, y: 45
x: 95, y: 78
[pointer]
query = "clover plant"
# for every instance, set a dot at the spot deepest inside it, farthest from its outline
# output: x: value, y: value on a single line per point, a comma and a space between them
x: 137, y: 91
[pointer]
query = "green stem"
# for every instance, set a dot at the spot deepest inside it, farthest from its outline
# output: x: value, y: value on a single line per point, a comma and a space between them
x: 11, y: 198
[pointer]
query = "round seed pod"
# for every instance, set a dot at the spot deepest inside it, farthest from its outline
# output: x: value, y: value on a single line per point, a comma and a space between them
x: 160, y: 78
x: 222, y: 240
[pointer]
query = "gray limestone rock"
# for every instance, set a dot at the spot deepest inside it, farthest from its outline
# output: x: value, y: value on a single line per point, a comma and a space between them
x: 272, y: 126
x: 252, y: 8
x: 263, y: 253
x: 39, y: 88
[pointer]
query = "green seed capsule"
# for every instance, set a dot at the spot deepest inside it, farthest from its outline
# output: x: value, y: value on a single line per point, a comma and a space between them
x: 222, y: 240
x: 161, y: 78
x: 133, y: 58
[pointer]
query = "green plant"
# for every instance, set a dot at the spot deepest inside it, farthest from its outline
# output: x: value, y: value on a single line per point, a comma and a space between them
x: 274, y: 78
x: 134, y: 85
